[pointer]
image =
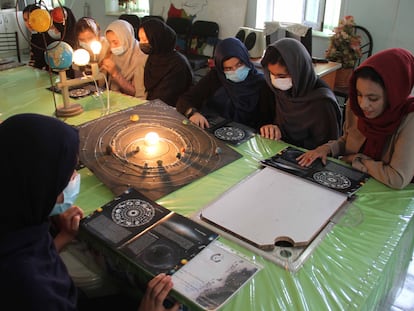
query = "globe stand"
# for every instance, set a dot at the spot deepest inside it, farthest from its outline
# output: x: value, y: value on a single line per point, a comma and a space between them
x: 71, y: 109
x: 68, y: 109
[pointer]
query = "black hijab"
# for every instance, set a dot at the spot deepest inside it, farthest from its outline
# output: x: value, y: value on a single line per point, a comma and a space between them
x: 236, y: 101
x: 167, y: 72
x: 38, y: 157
x: 308, y: 114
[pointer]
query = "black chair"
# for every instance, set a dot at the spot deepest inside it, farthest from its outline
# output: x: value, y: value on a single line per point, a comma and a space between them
x: 202, y: 43
x: 147, y: 17
x: 182, y: 27
x: 134, y: 20
x: 9, y: 42
x: 366, y: 49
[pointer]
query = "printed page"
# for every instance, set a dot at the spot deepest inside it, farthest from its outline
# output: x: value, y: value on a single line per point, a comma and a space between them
x: 213, y: 276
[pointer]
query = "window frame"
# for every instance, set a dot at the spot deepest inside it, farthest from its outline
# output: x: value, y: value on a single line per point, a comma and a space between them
x: 265, y: 12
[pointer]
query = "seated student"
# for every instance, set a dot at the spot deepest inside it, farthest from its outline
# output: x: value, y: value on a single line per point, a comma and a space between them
x: 38, y: 41
x: 232, y: 89
x: 167, y: 72
x: 64, y: 30
x: 379, y: 123
x: 33, y: 276
x: 305, y: 112
x: 125, y: 62
x: 88, y: 30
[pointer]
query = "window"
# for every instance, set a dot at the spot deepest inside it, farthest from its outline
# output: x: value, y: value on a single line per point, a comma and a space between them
x: 322, y: 15
x: 134, y: 6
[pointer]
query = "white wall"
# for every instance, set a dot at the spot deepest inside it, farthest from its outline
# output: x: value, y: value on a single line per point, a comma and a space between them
x: 391, y: 23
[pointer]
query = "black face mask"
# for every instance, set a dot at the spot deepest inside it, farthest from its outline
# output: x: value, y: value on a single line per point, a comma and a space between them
x: 146, y: 48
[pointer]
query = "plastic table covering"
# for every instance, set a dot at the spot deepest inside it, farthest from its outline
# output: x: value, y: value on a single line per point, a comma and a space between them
x: 358, y: 265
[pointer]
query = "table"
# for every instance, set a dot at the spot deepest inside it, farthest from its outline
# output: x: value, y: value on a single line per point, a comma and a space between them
x: 327, y: 72
x: 359, y: 264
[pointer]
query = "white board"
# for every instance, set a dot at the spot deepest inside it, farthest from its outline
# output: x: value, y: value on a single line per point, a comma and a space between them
x: 271, y: 206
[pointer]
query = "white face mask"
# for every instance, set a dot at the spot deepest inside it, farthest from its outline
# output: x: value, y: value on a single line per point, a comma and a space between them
x: 282, y: 84
x: 54, y: 34
x: 84, y: 45
x: 119, y: 50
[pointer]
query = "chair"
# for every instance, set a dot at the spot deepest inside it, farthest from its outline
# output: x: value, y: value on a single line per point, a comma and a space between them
x: 182, y: 27
x: 9, y: 41
x: 133, y: 20
x: 366, y: 50
x: 202, y: 43
x: 147, y: 17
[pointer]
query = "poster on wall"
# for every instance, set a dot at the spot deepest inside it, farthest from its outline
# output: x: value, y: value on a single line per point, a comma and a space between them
x: 229, y: 16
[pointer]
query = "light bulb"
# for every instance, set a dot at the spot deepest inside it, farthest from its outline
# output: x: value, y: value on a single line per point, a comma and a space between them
x: 81, y: 57
x: 96, y: 47
x: 152, y: 139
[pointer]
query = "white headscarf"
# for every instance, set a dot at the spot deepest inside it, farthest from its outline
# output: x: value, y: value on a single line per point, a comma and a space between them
x: 132, y: 62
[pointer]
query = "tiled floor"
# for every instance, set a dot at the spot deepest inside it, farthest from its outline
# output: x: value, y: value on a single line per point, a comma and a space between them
x: 405, y: 299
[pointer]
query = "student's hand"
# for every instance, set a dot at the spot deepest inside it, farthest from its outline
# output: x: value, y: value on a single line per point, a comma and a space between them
x: 198, y: 119
x: 109, y: 66
x: 271, y: 131
x: 157, y: 290
x: 309, y: 157
x: 349, y: 158
x: 68, y: 226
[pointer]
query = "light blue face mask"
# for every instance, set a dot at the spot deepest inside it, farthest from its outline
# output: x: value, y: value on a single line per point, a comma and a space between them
x: 70, y: 193
x: 238, y: 75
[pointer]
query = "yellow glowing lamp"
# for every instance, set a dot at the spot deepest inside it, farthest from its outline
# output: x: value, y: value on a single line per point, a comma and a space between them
x: 81, y: 57
x: 151, y: 139
x: 40, y: 20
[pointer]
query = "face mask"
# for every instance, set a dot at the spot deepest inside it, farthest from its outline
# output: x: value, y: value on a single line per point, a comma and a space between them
x: 84, y: 45
x: 282, y: 84
x: 118, y: 50
x: 54, y: 34
x: 70, y: 193
x: 238, y: 75
x: 146, y: 48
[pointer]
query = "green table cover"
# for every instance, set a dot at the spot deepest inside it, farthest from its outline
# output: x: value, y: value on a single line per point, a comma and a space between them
x: 358, y: 265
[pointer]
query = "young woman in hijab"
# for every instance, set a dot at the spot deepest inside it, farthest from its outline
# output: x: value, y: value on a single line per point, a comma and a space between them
x: 125, y: 62
x: 305, y: 112
x: 379, y: 123
x: 33, y: 276
x: 167, y: 72
x: 88, y: 30
x: 232, y: 89
x: 64, y: 30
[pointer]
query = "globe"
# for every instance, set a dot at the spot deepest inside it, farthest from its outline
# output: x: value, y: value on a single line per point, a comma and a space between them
x: 59, y: 55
